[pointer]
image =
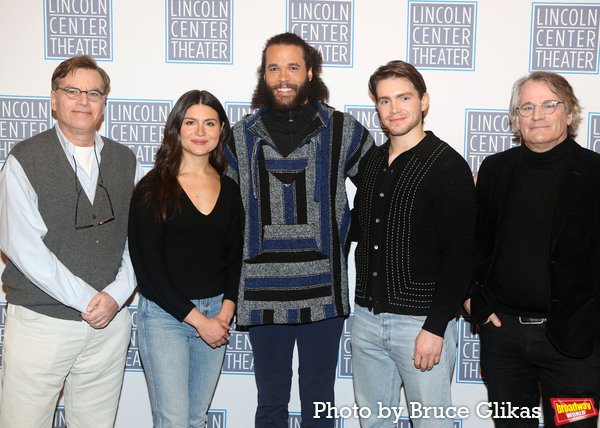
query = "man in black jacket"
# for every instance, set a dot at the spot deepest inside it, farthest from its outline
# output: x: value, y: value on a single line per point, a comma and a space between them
x: 538, y: 261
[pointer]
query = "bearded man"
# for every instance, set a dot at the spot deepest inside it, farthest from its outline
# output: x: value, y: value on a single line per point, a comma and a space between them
x: 291, y: 159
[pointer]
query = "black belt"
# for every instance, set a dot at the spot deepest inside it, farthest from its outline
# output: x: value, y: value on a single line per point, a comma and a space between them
x: 529, y: 320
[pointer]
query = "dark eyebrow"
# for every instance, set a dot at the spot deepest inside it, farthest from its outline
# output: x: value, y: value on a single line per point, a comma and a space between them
x: 289, y: 63
x: 402, y: 94
x: 198, y: 120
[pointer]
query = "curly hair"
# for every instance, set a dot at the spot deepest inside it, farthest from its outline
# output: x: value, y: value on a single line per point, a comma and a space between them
x: 317, y: 90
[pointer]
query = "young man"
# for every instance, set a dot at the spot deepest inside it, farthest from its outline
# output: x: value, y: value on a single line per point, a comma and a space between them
x: 415, y: 206
x: 64, y: 204
x: 538, y: 259
x: 291, y: 159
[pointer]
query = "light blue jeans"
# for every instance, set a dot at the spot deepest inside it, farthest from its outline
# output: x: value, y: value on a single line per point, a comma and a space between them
x: 382, y: 350
x: 181, y: 370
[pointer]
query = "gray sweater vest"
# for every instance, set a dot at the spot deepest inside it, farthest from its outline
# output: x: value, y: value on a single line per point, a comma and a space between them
x: 93, y: 254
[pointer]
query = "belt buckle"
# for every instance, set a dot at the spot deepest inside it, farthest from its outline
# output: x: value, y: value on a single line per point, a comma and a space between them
x: 531, y: 321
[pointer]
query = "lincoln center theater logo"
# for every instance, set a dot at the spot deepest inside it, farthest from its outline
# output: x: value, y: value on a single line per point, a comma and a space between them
x: 295, y: 421
x: 368, y: 117
x: 138, y: 124
x: 345, y: 356
x: 239, y: 358
x: 237, y: 111
x: 21, y: 118
x: 487, y: 132
x: 467, y: 364
x: 564, y: 37
x: 133, y: 363
x: 406, y: 423
x: 2, y: 324
x: 325, y: 25
x: 441, y: 35
x: 216, y: 418
x: 594, y: 132
x: 59, y: 418
x: 199, y: 31
x: 78, y: 27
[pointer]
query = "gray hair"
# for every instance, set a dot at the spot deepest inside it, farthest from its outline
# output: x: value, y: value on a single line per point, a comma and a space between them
x: 559, y: 86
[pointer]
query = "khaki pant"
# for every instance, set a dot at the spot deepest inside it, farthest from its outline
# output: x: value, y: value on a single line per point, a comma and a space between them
x: 42, y: 354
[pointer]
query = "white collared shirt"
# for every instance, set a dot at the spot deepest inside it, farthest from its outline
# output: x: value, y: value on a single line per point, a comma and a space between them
x: 22, y: 231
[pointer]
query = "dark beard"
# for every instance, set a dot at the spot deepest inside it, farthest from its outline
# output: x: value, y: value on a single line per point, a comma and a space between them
x: 300, y: 98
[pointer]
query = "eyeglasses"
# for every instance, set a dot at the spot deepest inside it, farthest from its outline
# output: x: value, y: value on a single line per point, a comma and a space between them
x: 547, y: 107
x: 79, y: 189
x: 75, y: 93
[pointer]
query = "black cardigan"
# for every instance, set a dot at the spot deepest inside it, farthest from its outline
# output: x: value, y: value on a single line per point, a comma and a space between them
x: 425, y: 232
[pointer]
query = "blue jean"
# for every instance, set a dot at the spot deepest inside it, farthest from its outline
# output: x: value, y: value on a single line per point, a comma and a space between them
x: 273, y: 347
x: 181, y: 370
x: 382, y: 350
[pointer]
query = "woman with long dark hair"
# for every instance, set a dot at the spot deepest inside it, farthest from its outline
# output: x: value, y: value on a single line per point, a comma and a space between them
x: 185, y: 239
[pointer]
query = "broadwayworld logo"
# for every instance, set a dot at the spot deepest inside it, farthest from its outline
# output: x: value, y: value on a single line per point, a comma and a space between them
x: 78, y: 27
x: 325, y: 25
x: 199, y: 31
x: 22, y: 118
x: 441, y: 35
x: 565, y: 38
x: 567, y: 410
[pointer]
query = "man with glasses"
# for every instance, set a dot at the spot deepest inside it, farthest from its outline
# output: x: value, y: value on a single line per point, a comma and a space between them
x: 538, y: 261
x: 64, y: 202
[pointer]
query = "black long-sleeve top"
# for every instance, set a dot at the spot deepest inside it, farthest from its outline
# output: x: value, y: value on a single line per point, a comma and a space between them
x: 521, y: 267
x: 192, y: 255
x: 417, y: 224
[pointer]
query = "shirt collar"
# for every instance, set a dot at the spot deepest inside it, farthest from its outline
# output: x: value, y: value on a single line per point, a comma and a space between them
x: 422, y: 150
x: 69, y: 147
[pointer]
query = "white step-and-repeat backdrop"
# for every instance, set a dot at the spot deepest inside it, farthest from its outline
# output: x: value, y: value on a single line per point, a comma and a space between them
x: 470, y: 53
